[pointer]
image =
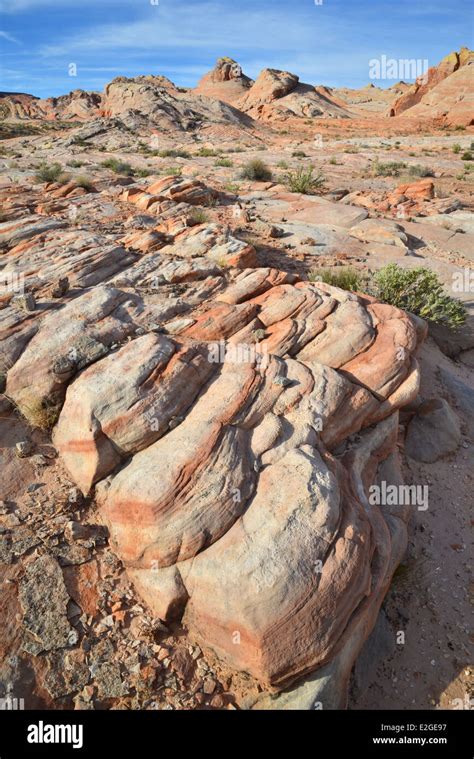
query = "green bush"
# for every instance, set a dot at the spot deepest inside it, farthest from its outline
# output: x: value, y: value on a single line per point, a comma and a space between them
x: 299, y: 154
x: 456, y: 148
x: 84, y: 182
x: 206, y: 153
x: 199, y: 216
x: 467, y: 156
x: 419, y: 291
x: 389, y: 169
x: 172, y: 153
x: 142, y: 172
x: 48, y: 172
x: 344, y: 277
x: 224, y: 162
x: 304, y: 180
x: 420, y: 171
x: 173, y: 171
x: 257, y: 171
x: 118, y: 167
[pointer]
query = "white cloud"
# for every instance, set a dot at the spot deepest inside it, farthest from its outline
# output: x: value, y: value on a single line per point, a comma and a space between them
x: 8, y: 37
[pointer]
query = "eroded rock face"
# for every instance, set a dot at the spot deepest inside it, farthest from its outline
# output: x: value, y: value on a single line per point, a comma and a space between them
x: 443, y: 94
x: 230, y: 419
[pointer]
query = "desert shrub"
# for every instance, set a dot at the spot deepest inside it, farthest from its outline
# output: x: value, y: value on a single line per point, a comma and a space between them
x: 75, y: 164
x: 420, y: 171
x: 42, y: 414
x: 467, y: 156
x: 389, y: 169
x: 256, y: 170
x: 173, y: 171
x: 283, y: 164
x: 304, y: 180
x: 344, y: 277
x: 333, y: 161
x: 420, y: 291
x: 118, y: 167
x: 198, y: 216
x: 232, y: 187
x: 299, y: 154
x: 173, y: 153
x: 142, y: 172
x: 206, y: 153
x: 224, y: 162
x: 84, y: 182
x: 48, y: 172
x: 456, y: 148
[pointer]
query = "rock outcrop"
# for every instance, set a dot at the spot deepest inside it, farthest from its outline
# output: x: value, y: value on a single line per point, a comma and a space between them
x: 225, y: 82
x: 276, y: 94
x: 444, y: 93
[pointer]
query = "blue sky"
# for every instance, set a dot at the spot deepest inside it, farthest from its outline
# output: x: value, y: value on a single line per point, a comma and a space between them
x: 331, y: 43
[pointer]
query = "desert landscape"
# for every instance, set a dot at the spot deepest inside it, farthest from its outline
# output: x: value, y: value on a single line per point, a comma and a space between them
x: 237, y: 393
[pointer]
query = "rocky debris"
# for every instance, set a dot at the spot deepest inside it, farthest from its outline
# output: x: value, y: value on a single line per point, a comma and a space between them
x: 24, y: 449
x: 433, y: 432
x: 45, y: 614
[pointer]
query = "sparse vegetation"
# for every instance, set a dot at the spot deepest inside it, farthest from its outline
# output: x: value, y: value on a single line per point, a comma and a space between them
x: 224, y: 163
x: 142, y: 172
x: 75, y: 164
x: 417, y: 290
x: 173, y: 153
x: 467, y: 156
x: 344, y: 277
x: 283, y: 164
x: 420, y: 291
x: 199, y: 216
x: 84, y: 182
x: 232, y: 187
x: 420, y: 171
x: 304, y: 180
x: 456, y: 148
x: 118, y: 167
x: 389, y: 169
x: 299, y: 154
x: 49, y: 172
x: 206, y: 153
x: 256, y: 170
x: 173, y: 171
x: 42, y: 415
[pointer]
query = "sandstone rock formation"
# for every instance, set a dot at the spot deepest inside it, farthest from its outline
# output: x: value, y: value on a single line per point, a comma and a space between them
x: 444, y: 93
x: 162, y: 104
x: 225, y: 82
x: 277, y: 94
x: 230, y: 434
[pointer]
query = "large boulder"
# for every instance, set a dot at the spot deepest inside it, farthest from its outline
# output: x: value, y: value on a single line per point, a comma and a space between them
x: 434, y: 432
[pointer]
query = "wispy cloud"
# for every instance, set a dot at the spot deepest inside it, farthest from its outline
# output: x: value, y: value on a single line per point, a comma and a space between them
x: 327, y: 44
x: 9, y: 37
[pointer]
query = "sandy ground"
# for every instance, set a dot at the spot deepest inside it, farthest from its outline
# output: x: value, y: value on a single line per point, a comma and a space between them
x: 431, y: 595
